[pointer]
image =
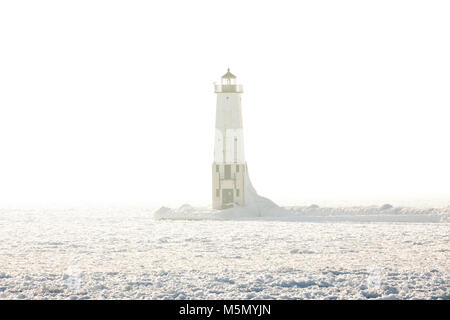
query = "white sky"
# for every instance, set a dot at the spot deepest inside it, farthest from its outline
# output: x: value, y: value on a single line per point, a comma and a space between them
x: 112, y: 101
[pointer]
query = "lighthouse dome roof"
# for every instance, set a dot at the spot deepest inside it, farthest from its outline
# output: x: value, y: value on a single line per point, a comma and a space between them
x: 228, y: 75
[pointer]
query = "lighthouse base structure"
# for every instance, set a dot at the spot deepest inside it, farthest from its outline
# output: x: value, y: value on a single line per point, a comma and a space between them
x: 228, y: 185
x: 253, y: 206
x: 232, y: 188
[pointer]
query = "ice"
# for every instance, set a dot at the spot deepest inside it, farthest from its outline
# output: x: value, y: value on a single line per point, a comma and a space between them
x: 125, y: 253
x: 314, y: 213
x: 261, y: 208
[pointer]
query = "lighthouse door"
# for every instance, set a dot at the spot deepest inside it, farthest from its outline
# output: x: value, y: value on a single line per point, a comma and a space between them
x: 227, y: 196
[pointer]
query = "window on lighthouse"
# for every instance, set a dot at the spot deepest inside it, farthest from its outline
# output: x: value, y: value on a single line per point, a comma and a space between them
x: 227, y: 171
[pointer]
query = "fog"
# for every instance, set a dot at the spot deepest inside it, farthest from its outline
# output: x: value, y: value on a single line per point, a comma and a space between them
x: 112, y: 102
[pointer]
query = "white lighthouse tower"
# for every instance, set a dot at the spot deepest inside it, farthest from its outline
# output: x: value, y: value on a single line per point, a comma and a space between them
x: 229, y: 167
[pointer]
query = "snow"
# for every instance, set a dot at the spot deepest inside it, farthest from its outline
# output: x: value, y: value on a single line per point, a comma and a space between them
x: 282, y: 253
x: 261, y: 208
x: 311, y: 213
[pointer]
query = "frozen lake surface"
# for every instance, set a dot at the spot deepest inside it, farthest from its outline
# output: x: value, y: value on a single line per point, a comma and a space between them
x: 128, y: 254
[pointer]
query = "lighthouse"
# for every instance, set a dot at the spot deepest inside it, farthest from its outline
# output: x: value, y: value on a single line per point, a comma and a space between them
x: 229, y: 167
